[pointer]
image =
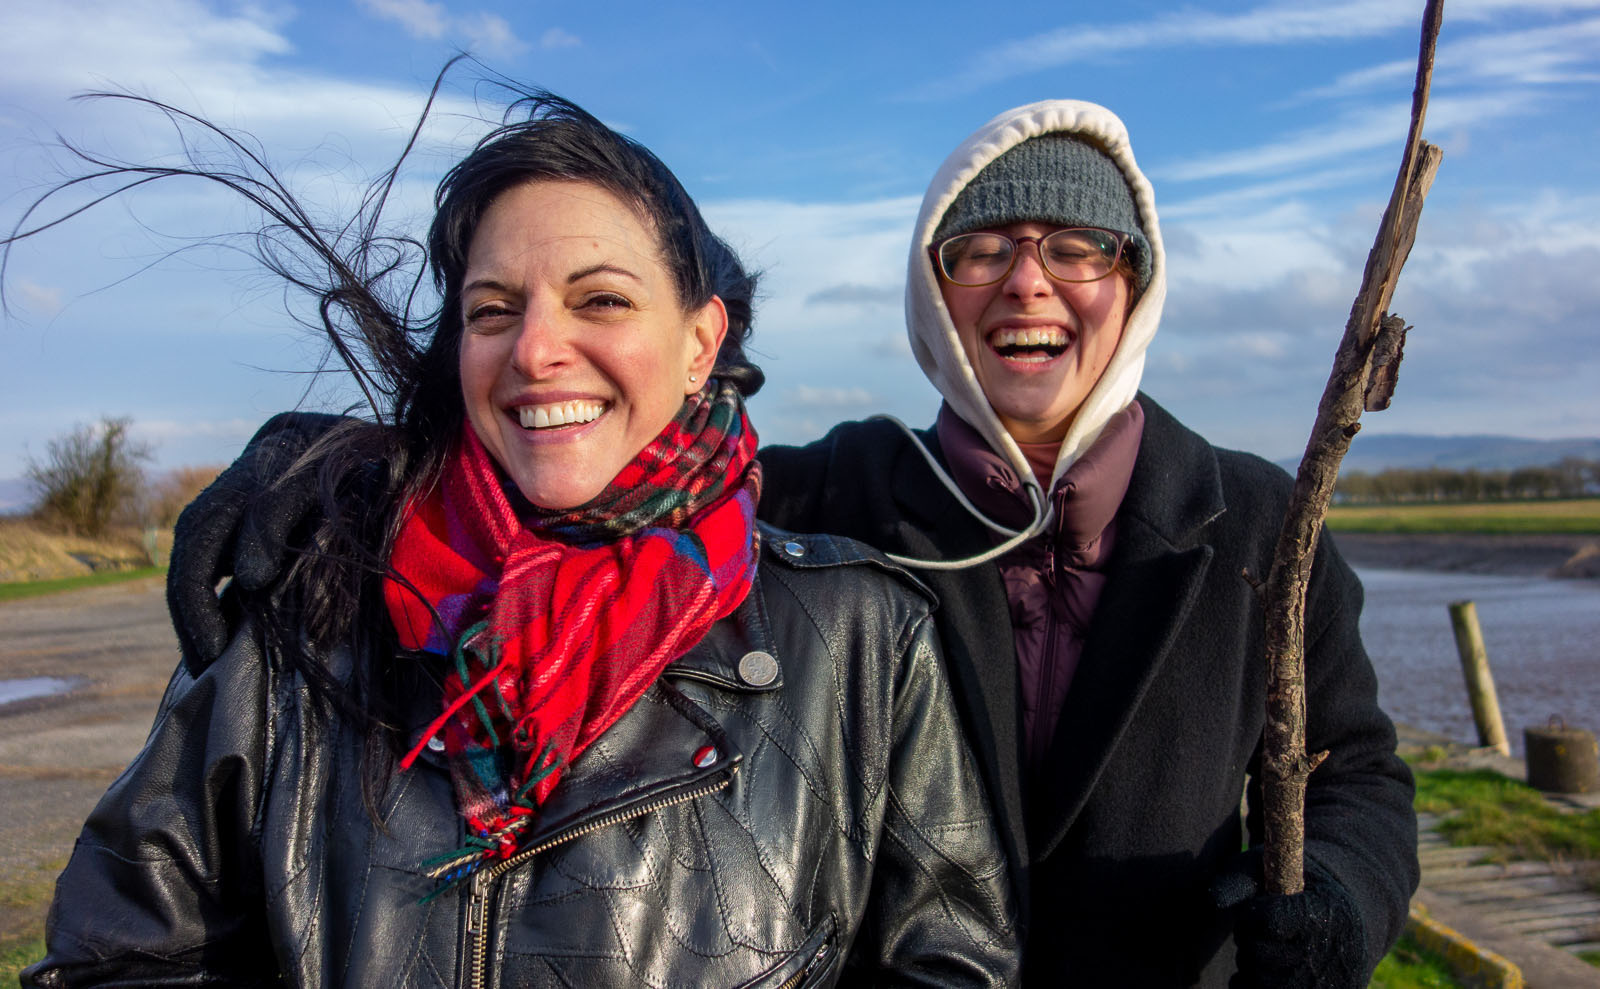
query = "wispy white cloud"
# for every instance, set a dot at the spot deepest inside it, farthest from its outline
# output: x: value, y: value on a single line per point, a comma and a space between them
x: 823, y: 397
x: 555, y: 37
x: 1273, y: 24
x: 33, y: 298
x: 855, y: 294
x: 1356, y: 131
x: 419, y: 18
x: 491, y: 34
x: 485, y: 33
x: 172, y: 430
x: 1551, y: 55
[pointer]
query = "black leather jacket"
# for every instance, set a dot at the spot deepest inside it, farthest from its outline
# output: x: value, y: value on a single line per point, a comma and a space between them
x: 838, y: 833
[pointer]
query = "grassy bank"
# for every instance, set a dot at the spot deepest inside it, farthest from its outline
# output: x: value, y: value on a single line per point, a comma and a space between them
x: 1512, y: 819
x: 1411, y: 966
x: 33, y: 588
x: 1579, y: 516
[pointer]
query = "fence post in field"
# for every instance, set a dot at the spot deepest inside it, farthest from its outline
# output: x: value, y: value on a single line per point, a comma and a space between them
x: 1480, y: 683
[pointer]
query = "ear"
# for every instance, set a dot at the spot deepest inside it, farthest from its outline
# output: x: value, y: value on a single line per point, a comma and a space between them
x: 706, y: 331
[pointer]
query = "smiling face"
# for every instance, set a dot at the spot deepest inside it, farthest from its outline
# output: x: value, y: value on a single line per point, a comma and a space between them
x: 1037, y: 345
x: 575, y: 351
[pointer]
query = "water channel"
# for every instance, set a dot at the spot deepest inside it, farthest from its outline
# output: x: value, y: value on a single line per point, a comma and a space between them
x: 1542, y: 635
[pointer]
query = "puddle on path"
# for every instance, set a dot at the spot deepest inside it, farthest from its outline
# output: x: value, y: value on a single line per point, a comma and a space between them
x: 27, y: 688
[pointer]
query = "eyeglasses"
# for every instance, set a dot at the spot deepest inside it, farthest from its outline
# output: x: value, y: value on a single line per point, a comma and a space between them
x: 1074, y: 254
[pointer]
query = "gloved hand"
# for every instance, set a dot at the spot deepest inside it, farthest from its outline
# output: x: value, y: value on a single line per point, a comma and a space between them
x: 1313, y: 939
x: 241, y: 521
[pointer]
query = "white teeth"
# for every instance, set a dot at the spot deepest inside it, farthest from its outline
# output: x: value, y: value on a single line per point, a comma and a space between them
x: 1047, y: 336
x: 559, y: 414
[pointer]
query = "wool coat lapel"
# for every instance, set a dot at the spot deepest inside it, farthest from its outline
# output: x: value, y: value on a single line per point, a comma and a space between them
x: 980, y: 655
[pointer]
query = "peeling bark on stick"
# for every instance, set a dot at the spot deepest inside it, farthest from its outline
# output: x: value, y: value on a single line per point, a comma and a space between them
x: 1286, y: 765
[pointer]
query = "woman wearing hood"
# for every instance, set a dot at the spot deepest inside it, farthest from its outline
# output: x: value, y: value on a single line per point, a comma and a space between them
x: 1089, y: 553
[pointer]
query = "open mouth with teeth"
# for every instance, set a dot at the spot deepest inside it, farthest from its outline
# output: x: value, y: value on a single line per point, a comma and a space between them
x: 1030, y: 346
x: 559, y: 414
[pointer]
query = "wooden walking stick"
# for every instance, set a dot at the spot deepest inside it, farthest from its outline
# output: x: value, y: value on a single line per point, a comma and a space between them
x: 1363, y: 378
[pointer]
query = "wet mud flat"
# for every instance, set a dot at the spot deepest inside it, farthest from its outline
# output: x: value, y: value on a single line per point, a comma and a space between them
x: 1562, y: 556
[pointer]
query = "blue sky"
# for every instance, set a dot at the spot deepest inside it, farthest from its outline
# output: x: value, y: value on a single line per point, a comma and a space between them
x: 1271, y: 132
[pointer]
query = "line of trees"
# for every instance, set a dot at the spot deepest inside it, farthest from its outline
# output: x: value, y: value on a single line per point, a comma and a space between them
x: 1571, y: 477
x: 92, y: 479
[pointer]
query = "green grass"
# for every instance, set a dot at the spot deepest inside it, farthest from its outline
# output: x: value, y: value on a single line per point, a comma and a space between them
x: 1512, y: 819
x: 1411, y: 966
x: 1579, y: 516
x: 33, y: 588
x: 17, y: 957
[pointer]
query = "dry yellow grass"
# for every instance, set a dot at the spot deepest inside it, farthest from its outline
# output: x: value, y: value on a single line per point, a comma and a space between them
x: 30, y: 552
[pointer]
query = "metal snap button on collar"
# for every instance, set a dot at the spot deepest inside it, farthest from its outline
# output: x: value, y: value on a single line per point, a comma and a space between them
x: 794, y: 548
x: 705, y: 756
x: 757, y: 668
x: 436, y: 744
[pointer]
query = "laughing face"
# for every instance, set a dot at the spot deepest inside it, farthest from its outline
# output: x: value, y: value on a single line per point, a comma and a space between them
x: 1036, y: 344
x: 576, y: 351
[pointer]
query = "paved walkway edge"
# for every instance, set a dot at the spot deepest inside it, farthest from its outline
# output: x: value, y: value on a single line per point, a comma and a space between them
x: 1476, y: 941
x: 1474, y: 965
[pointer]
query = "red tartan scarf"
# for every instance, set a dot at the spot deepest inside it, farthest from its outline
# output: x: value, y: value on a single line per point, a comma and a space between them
x: 558, y: 622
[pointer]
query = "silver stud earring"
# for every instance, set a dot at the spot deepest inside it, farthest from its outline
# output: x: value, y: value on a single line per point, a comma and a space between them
x: 692, y: 379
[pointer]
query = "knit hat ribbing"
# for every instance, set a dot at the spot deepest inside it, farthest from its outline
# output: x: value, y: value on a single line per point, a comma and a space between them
x: 1055, y: 178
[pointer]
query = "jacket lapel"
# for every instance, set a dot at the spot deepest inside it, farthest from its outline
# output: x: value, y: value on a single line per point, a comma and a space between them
x: 974, y: 617
x: 1158, y: 568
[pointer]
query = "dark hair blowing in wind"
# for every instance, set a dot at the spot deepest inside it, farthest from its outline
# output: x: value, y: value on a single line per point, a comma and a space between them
x: 366, y: 287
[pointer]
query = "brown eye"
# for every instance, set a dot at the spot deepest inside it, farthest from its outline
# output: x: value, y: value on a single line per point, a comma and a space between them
x: 489, y: 315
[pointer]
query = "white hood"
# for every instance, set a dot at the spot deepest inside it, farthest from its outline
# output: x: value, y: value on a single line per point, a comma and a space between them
x: 933, y: 335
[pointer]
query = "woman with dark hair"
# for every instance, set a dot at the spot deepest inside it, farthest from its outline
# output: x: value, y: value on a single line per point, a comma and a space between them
x: 538, y: 702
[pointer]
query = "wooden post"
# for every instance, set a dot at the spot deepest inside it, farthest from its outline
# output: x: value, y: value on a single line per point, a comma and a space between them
x: 1480, y: 684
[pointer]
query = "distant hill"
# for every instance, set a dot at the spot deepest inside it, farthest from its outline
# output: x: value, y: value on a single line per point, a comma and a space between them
x: 1372, y: 454
x: 15, y: 495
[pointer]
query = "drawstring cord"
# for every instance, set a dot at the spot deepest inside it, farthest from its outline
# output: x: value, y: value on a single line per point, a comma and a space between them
x: 1042, y: 512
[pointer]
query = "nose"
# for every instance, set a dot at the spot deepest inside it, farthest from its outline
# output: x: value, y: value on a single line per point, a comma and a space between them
x: 1027, y: 278
x: 544, y: 342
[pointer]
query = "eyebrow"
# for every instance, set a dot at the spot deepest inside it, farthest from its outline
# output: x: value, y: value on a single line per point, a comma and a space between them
x: 496, y: 285
x: 604, y: 266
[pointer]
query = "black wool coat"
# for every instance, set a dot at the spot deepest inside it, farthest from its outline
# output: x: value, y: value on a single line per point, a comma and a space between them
x: 1161, y: 733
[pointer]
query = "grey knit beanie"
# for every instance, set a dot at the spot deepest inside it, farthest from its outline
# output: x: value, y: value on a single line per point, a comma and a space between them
x: 1053, y: 178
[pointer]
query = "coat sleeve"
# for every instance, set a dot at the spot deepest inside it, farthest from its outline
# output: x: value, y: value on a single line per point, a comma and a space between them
x: 1361, y: 827
x: 941, y: 911
x: 163, y: 885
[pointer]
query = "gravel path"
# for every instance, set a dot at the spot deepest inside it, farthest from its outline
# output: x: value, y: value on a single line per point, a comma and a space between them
x: 58, y: 754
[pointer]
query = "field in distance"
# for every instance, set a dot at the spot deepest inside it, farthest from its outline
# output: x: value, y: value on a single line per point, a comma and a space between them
x: 1578, y: 516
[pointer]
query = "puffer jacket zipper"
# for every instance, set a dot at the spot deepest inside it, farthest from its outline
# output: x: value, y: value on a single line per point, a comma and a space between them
x: 483, y: 880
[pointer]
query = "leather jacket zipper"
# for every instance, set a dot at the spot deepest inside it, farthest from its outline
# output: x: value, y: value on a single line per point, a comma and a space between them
x: 799, y: 978
x: 478, y: 894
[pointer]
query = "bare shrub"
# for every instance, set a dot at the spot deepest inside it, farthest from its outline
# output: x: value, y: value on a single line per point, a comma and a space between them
x: 169, y: 495
x: 89, y: 478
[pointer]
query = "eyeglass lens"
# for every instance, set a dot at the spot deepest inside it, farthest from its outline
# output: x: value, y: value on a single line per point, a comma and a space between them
x: 1076, y: 254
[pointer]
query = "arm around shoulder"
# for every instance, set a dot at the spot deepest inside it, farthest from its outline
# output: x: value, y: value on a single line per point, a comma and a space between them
x: 163, y: 886
x: 942, y: 910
